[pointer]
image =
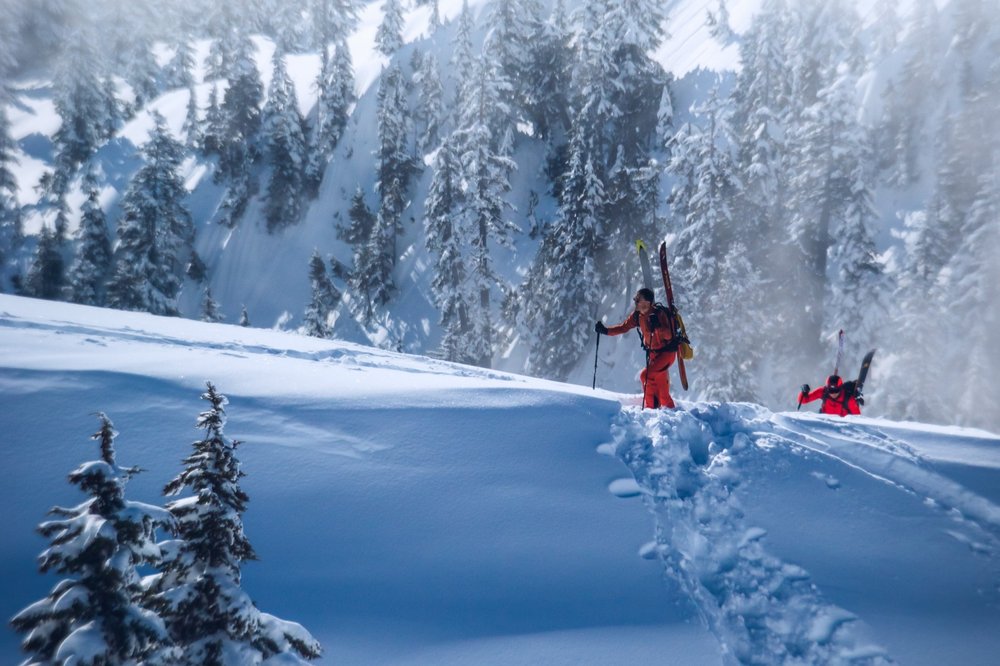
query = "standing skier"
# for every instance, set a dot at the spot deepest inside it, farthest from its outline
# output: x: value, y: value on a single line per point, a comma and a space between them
x: 838, y: 398
x: 657, y: 338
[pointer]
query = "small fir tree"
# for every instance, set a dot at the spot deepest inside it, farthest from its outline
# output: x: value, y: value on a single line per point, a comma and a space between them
x: 155, y: 231
x: 46, y: 276
x: 92, y: 265
x: 210, y: 308
x: 431, y: 99
x: 325, y: 298
x: 192, y: 122
x: 213, y: 127
x: 97, y: 615
x: 208, y: 615
x: 389, y: 36
x: 362, y: 221
x: 449, y: 286
x: 286, y: 150
x: 11, y: 232
x: 336, y: 94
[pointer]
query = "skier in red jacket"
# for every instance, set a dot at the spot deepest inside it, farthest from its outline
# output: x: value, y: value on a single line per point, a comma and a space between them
x: 838, y: 398
x: 657, y: 335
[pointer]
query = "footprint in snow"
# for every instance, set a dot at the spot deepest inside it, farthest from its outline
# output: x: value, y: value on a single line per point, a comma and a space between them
x: 831, y: 482
x: 624, y: 488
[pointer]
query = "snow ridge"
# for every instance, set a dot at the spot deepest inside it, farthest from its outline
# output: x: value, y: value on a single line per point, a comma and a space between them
x: 761, y: 609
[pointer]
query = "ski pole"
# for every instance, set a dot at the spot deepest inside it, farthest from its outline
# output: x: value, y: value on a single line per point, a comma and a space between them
x: 596, y: 348
x: 645, y: 382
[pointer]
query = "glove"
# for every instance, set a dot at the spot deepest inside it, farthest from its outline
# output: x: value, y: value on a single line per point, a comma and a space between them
x: 860, y: 401
x: 805, y: 388
x: 600, y: 328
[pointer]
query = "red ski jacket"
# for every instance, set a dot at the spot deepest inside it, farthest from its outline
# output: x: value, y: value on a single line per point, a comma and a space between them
x: 655, y: 328
x: 833, y: 404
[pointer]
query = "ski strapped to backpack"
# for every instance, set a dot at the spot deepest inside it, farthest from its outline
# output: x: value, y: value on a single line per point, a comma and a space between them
x: 647, y: 273
x: 684, y: 350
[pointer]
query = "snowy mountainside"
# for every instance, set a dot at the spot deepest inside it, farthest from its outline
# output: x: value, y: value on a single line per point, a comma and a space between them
x: 279, y: 289
x: 411, y: 511
x: 900, y: 212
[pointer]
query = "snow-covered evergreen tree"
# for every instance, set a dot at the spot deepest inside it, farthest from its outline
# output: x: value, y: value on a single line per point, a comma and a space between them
x: 97, y: 613
x: 430, y: 109
x: 213, y: 130
x: 10, y: 40
x: 709, y: 255
x: 241, y: 107
x: 760, y: 121
x: 486, y: 169
x: 511, y: 27
x: 565, y: 271
x: 859, y: 288
x: 445, y: 243
x: 210, y: 308
x: 286, y: 23
x: 179, y: 71
x: 336, y: 95
x: 395, y: 168
x: 92, y: 264
x: 362, y: 221
x: 192, y: 122
x: 208, y: 614
x: 244, y: 317
x: 822, y: 182
x: 11, y: 231
x: 325, y: 297
x: 332, y: 21
x: 729, y: 336
x: 463, y: 62
x: 78, y: 96
x: 389, y: 36
x: 618, y: 91
x: 972, y: 297
x: 286, y: 150
x: 903, y: 128
x: 46, y: 276
x: 128, y: 31
x: 155, y: 231
x: 546, y: 94
x: 916, y: 318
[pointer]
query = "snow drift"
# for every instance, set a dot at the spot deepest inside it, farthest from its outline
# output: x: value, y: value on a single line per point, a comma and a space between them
x: 411, y: 511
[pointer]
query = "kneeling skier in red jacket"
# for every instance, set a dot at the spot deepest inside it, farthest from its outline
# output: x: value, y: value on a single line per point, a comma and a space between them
x: 838, y: 398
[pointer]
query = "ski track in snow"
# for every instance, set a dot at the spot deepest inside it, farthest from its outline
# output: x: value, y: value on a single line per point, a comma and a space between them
x: 687, y: 464
x: 892, y: 461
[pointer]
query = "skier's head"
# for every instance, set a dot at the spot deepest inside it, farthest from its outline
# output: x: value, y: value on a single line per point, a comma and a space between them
x: 834, y: 382
x: 644, y: 294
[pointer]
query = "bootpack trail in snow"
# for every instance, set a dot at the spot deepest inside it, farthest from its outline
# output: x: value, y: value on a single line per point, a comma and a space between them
x: 687, y: 465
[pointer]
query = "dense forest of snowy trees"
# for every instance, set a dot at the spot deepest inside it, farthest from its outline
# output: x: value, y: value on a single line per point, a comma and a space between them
x: 846, y: 176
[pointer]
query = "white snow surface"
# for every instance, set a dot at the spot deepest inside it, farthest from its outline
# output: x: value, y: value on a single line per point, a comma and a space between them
x: 411, y: 511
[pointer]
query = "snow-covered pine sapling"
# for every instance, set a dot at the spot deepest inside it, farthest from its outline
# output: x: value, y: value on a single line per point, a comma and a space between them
x: 97, y: 613
x: 208, y: 614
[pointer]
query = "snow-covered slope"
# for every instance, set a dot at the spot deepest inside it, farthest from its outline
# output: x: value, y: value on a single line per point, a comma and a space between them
x: 410, y: 511
x: 278, y: 288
